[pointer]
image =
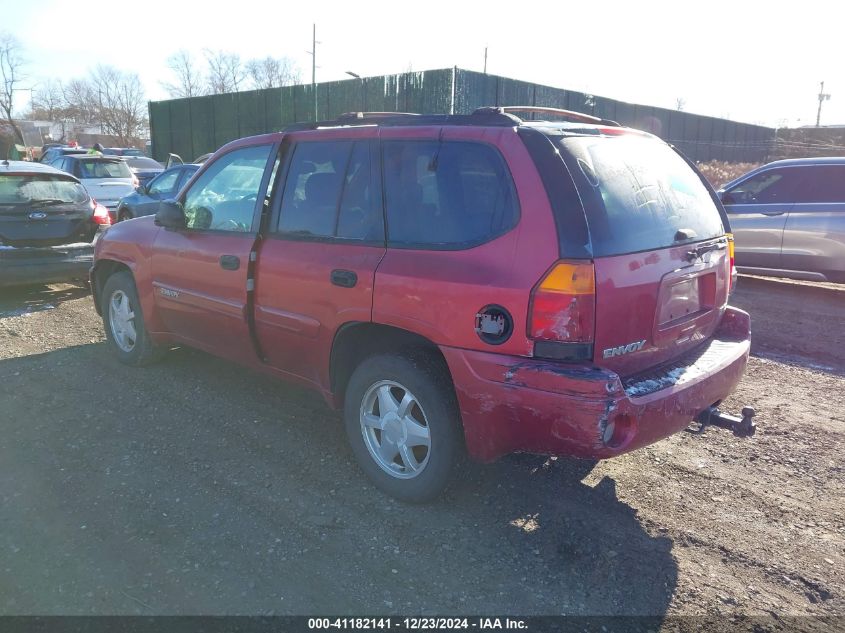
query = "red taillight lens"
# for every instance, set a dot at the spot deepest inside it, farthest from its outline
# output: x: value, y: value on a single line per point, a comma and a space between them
x: 731, y: 260
x: 563, y: 304
x: 101, y: 214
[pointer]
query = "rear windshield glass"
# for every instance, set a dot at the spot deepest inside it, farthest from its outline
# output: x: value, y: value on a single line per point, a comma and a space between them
x: 24, y: 189
x: 104, y: 169
x: 639, y: 194
x: 144, y: 163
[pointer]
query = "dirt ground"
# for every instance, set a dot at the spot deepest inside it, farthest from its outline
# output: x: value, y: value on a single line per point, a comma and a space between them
x: 194, y: 487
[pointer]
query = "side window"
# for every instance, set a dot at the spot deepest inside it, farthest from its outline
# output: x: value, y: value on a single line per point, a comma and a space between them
x: 223, y: 198
x: 446, y: 194
x: 823, y: 183
x: 328, y: 192
x: 185, y: 174
x: 769, y: 187
x: 165, y: 182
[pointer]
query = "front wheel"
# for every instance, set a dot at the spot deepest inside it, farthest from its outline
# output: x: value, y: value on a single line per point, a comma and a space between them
x: 124, y: 322
x: 403, y: 424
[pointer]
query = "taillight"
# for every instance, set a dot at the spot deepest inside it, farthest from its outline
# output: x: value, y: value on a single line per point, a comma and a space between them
x: 732, y: 265
x: 563, y: 304
x: 101, y: 214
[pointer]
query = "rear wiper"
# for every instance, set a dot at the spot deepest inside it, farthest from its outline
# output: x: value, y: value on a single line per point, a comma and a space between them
x: 47, y: 201
x: 697, y: 252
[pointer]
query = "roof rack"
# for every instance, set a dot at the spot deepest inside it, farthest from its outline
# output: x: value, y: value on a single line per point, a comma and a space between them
x: 490, y: 115
x: 386, y: 119
x: 571, y: 115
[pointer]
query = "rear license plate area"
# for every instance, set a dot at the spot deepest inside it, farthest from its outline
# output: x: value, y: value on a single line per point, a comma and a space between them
x: 685, y: 299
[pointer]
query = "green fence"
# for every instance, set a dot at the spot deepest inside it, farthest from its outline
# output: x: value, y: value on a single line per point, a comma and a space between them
x: 194, y: 126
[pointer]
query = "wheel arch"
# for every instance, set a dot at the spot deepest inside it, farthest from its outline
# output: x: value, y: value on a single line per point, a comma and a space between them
x: 355, y: 341
x: 103, y: 269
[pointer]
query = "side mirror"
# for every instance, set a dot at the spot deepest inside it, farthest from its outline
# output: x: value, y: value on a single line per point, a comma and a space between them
x: 726, y: 198
x: 142, y: 189
x: 170, y: 215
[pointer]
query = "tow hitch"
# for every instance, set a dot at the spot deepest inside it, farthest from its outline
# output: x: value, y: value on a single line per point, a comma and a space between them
x: 741, y: 427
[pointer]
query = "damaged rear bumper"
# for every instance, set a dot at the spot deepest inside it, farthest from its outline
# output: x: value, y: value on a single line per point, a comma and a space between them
x: 511, y: 404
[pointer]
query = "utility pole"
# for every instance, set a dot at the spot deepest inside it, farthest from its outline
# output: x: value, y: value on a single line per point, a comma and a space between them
x: 313, y: 53
x: 822, y: 98
x: 485, y: 60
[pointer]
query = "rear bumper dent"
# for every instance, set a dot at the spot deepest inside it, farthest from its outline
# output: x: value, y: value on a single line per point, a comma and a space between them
x: 515, y: 404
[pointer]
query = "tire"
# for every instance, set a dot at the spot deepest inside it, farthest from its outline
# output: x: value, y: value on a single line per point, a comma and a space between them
x: 119, y: 291
x: 432, y: 412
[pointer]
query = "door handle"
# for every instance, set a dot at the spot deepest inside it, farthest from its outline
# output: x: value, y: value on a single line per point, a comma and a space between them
x: 773, y: 213
x: 230, y: 262
x: 344, y: 278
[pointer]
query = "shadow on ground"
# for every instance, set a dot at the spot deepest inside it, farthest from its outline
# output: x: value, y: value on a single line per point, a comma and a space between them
x: 19, y: 300
x: 194, y: 487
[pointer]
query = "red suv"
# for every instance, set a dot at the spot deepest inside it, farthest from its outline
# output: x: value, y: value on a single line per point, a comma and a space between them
x: 456, y: 284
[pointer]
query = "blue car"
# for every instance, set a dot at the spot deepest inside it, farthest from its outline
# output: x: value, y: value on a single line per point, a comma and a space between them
x: 145, y: 199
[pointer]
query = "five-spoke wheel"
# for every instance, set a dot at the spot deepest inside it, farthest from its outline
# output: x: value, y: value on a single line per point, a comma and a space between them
x: 403, y: 424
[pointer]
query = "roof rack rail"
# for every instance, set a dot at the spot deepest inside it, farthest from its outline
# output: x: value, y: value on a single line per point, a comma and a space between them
x: 486, y: 116
x: 566, y: 114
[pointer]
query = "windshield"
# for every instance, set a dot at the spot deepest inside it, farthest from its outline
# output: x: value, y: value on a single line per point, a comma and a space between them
x: 98, y: 168
x: 22, y: 189
x: 639, y: 194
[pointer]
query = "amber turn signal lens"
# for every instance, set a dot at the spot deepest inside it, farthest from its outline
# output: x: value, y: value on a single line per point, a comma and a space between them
x: 571, y: 279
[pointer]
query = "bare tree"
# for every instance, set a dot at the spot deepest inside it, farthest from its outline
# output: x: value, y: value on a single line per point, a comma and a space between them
x: 11, y: 67
x: 680, y: 104
x: 112, y: 99
x: 225, y: 71
x: 48, y: 103
x: 272, y: 72
x: 188, y: 81
x: 80, y: 101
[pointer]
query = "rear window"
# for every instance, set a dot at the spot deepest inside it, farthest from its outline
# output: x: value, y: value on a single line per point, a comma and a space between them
x: 638, y: 194
x: 94, y: 168
x: 144, y: 163
x: 24, y: 189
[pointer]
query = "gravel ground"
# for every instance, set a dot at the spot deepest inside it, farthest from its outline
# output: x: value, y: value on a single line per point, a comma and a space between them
x: 194, y: 487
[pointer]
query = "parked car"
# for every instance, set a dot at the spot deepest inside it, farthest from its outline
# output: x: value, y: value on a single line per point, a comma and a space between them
x: 107, y: 178
x: 472, y: 283
x: 52, y: 153
x: 145, y: 199
x: 145, y: 169
x: 47, y: 225
x: 788, y: 219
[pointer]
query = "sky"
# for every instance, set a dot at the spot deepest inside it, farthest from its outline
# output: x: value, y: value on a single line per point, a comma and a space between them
x: 756, y: 62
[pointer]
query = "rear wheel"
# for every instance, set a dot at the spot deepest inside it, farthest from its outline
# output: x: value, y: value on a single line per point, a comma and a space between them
x: 403, y: 424
x: 124, y: 322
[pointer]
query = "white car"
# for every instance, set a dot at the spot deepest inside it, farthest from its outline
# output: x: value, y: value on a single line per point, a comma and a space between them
x: 107, y: 178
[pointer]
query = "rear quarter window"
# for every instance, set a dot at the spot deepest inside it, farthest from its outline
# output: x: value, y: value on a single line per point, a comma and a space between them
x: 446, y: 194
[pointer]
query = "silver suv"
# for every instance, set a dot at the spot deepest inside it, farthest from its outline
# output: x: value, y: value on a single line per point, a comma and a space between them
x: 788, y: 219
